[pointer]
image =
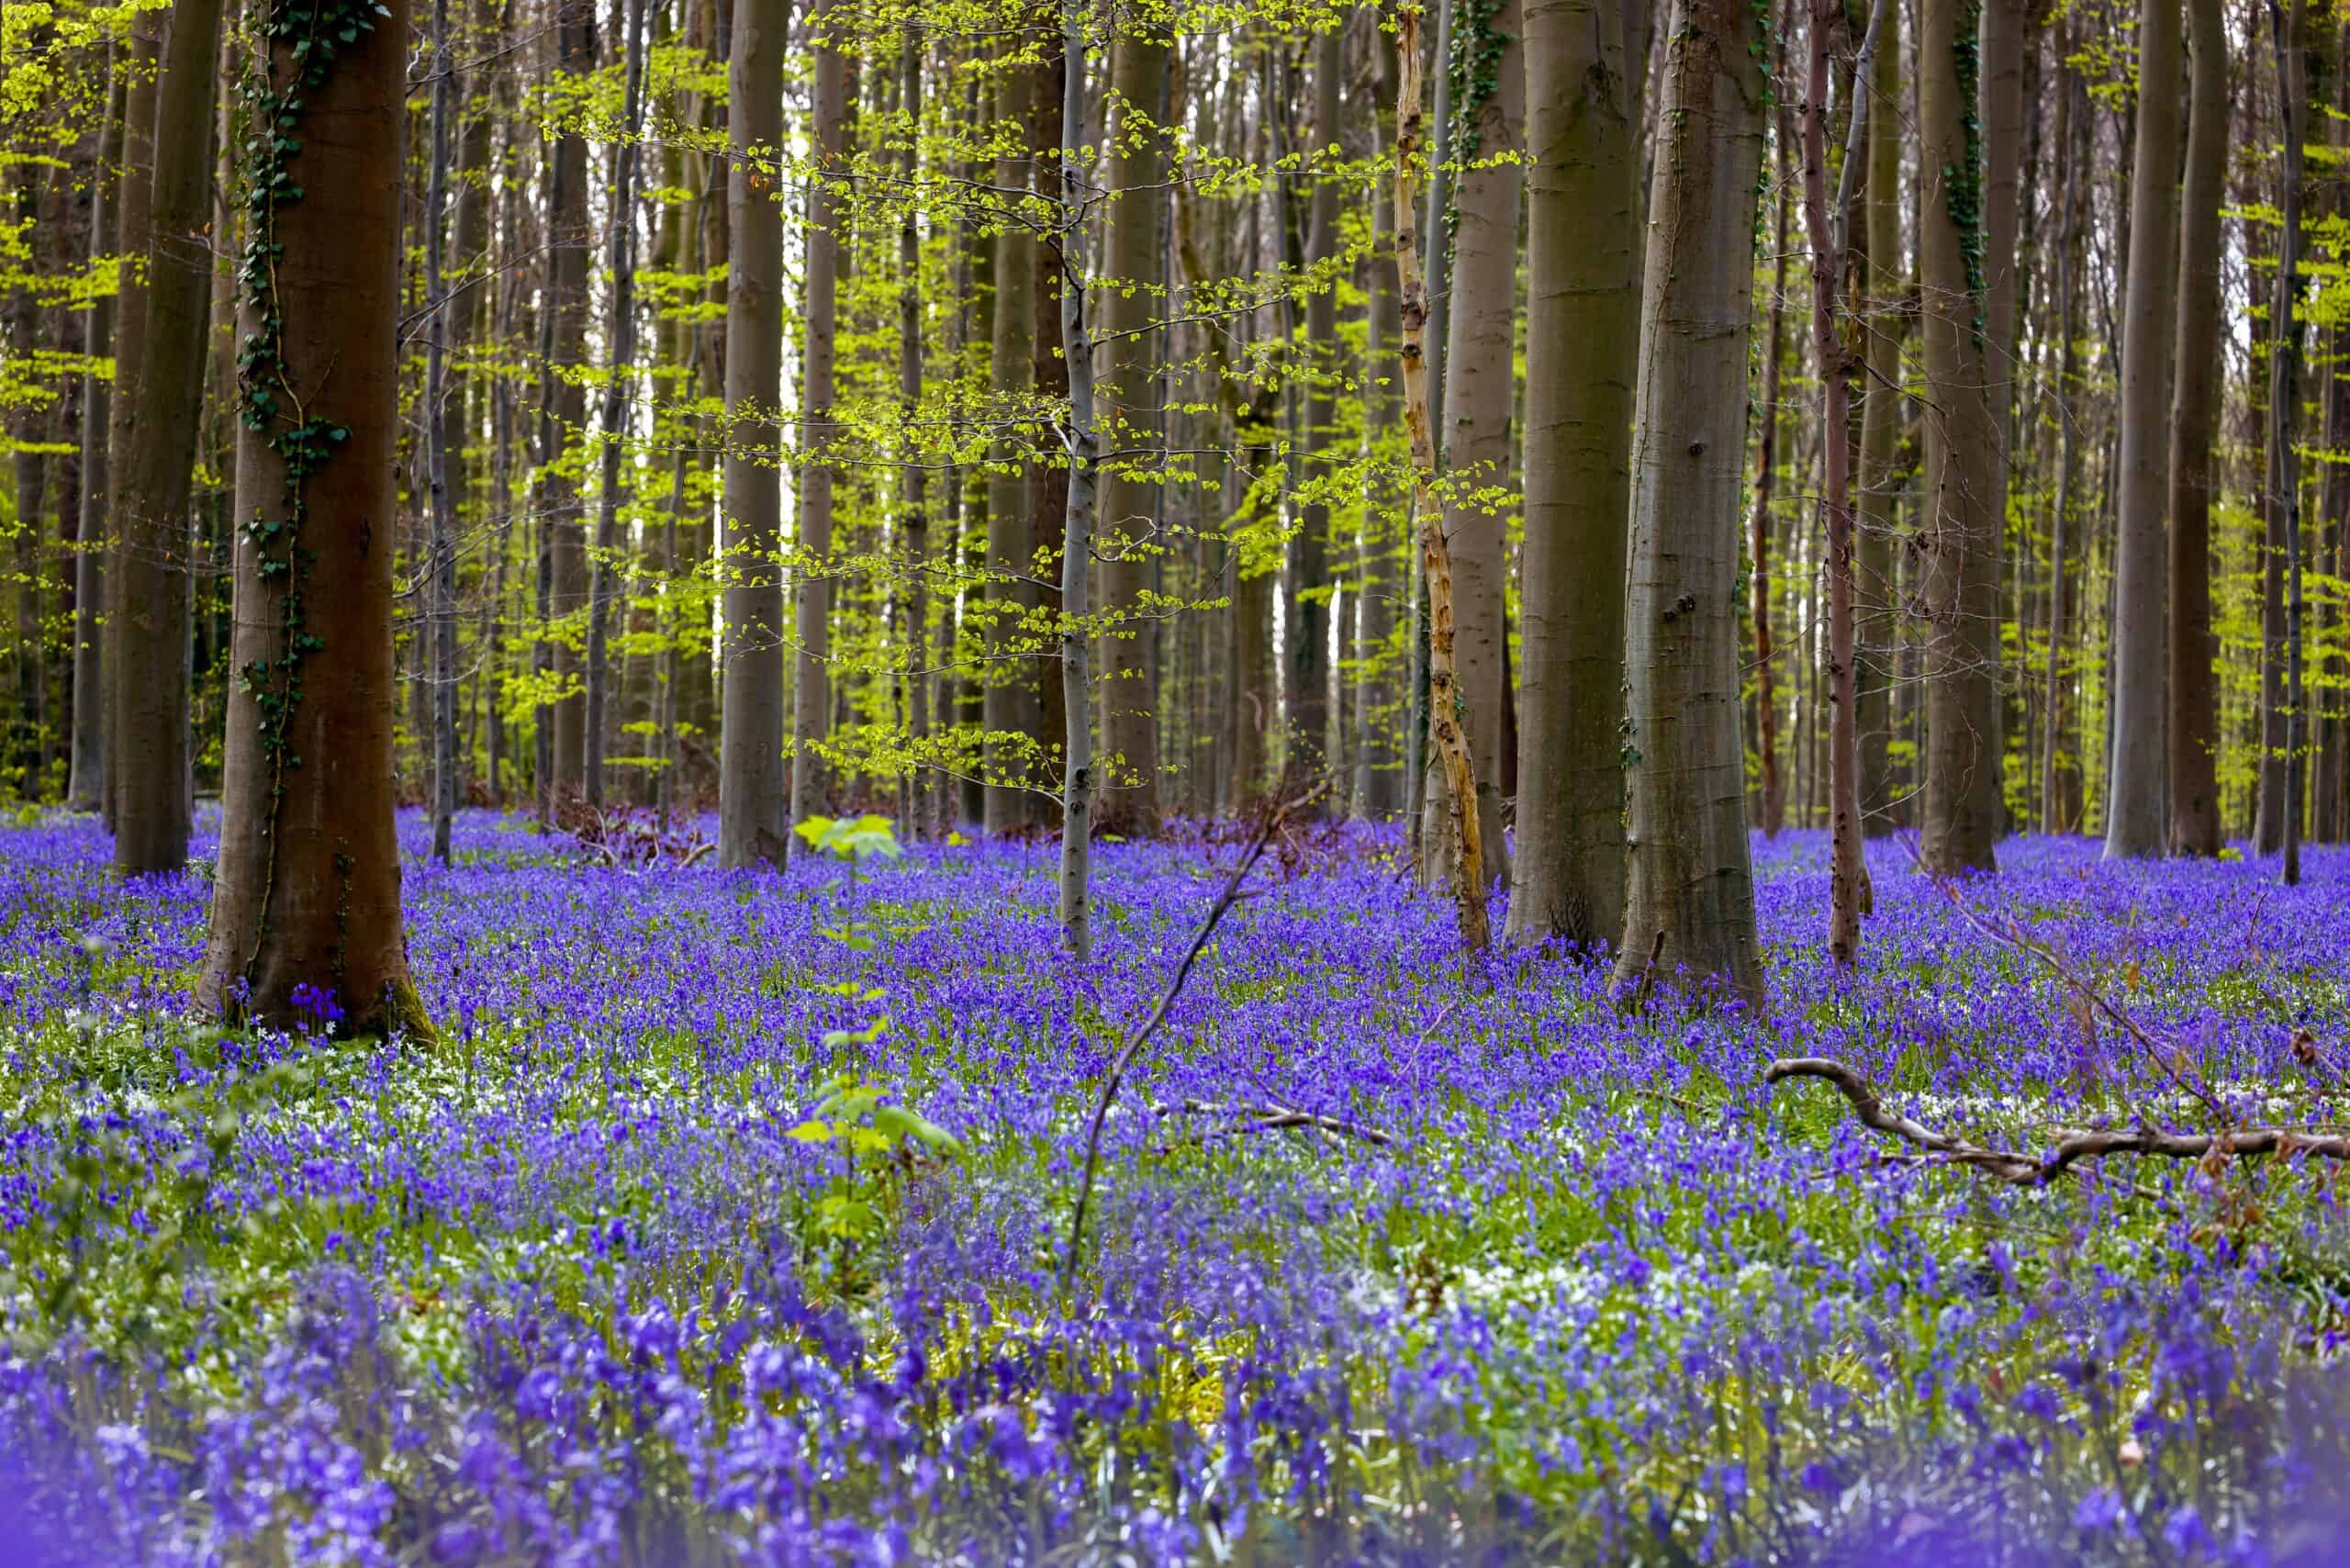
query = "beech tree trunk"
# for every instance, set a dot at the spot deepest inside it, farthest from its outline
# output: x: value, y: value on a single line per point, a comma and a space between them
x: 1882, y: 415
x: 813, y: 587
x: 2135, y: 823
x: 1010, y: 707
x: 1964, y: 809
x: 620, y: 259
x: 154, y: 517
x: 1133, y: 243
x: 134, y: 231
x: 307, y: 891
x: 1083, y: 441
x: 2193, y: 738
x: 1311, y: 738
x: 1480, y: 396
x: 1689, y: 901
x: 2280, y: 806
x: 573, y: 240
x: 1770, y: 808
x: 1459, y: 845
x: 1582, y: 349
x: 85, y: 773
x: 751, y: 800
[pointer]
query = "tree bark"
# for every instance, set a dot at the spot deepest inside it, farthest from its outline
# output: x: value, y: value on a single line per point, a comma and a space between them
x: 2280, y: 809
x: 1582, y: 349
x: 619, y: 258
x: 1882, y: 416
x: 1689, y: 903
x: 1480, y: 396
x: 1084, y: 441
x: 157, y: 528
x: 1134, y: 239
x: 1771, y: 809
x: 1010, y: 711
x: 308, y: 880
x: 441, y: 567
x: 1964, y: 808
x: 570, y: 241
x: 2134, y: 824
x: 1312, y: 740
x: 1462, y: 848
x: 2192, y: 742
x: 813, y: 586
x: 85, y: 773
x: 751, y: 793
x: 134, y: 230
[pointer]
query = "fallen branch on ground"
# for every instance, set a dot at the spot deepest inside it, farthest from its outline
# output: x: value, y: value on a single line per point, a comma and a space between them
x: 1270, y: 1117
x: 2072, y: 1147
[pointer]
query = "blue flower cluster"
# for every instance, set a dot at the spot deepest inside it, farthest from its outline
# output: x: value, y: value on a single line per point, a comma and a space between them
x: 596, y: 1282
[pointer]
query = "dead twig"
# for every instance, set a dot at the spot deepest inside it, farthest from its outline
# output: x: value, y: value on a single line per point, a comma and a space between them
x: 1268, y: 1116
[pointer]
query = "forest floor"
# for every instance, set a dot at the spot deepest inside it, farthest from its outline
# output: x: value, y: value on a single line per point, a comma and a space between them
x: 729, y: 1221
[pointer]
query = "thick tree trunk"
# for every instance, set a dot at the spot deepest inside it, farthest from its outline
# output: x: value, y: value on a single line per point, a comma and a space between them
x: 2194, y: 734
x: 157, y: 528
x: 751, y: 800
x: 1133, y: 240
x: 1689, y: 902
x: 1964, y: 809
x: 1581, y: 347
x: 308, y: 883
x: 1480, y: 396
x: 1882, y: 415
x: 2133, y: 822
x: 812, y: 589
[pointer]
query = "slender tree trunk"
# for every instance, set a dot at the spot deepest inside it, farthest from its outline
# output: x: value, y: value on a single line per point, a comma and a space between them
x: 2134, y: 824
x: 1480, y: 398
x: 154, y: 516
x: 1848, y: 878
x: 1083, y: 441
x: 1311, y: 735
x: 915, y: 502
x: 85, y: 775
x: 442, y: 621
x: 2281, y: 813
x: 751, y: 800
x: 1464, y: 852
x: 621, y: 259
x: 2073, y: 120
x: 571, y: 241
x: 1581, y: 347
x: 1379, y: 793
x: 2193, y: 738
x: 1689, y: 905
x: 1881, y: 419
x: 1771, y: 810
x: 1962, y: 804
x: 813, y: 590
x: 307, y: 889
x: 1009, y: 702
